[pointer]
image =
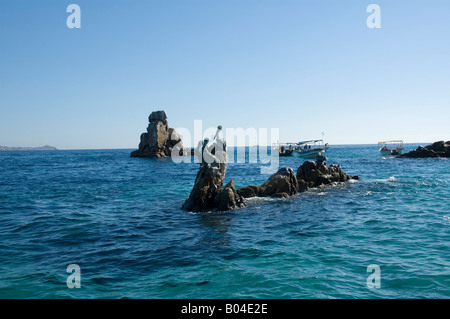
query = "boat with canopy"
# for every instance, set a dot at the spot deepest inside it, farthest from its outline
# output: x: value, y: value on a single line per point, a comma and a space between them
x: 394, y: 147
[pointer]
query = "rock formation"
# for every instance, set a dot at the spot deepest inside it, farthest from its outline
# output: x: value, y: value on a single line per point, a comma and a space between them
x: 315, y: 174
x: 309, y: 175
x: 160, y: 139
x: 281, y: 184
x: 437, y: 149
x: 207, y: 193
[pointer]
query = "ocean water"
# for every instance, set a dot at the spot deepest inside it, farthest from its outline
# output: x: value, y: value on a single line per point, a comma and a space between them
x: 119, y: 219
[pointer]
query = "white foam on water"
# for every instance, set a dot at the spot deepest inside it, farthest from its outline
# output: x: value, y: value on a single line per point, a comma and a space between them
x: 262, y: 199
x: 389, y: 179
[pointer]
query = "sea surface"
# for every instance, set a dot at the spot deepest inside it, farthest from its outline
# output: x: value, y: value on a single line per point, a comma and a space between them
x: 119, y: 219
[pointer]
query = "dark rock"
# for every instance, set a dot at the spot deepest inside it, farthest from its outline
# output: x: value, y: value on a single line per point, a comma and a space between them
x: 207, y: 193
x: 160, y: 139
x: 321, y: 159
x: 281, y: 184
x: 324, y: 180
x: 249, y: 191
x: 228, y: 199
x: 437, y: 149
x: 304, y: 171
x: 157, y: 116
x: 322, y: 167
x: 283, y: 181
x: 319, y: 174
x: 302, y: 185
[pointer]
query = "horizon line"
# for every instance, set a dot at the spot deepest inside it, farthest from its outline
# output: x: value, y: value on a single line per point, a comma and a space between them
x: 134, y: 148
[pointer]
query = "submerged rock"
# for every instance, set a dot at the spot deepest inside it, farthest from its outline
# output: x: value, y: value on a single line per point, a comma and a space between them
x: 437, y: 149
x: 160, y: 139
x: 207, y: 193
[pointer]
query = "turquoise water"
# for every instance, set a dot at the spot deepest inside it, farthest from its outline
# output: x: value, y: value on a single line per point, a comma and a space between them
x: 119, y: 219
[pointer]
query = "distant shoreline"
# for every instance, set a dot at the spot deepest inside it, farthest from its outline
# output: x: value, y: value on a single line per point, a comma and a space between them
x: 52, y: 148
x: 18, y: 148
x: 253, y: 146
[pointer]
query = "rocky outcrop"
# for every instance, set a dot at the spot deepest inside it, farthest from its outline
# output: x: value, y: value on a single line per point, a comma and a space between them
x: 437, y: 149
x: 309, y: 175
x: 315, y: 174
x: 160, y: 139
x: 281, y: 184
x: 207, y: 193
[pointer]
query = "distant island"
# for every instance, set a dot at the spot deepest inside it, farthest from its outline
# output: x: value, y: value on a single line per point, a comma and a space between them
x: 41, y: 148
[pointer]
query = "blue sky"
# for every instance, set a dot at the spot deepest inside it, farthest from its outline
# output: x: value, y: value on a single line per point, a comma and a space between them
x: 305, y: 67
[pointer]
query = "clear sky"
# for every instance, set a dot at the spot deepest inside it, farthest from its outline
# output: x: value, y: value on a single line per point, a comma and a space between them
x: 305, y: 67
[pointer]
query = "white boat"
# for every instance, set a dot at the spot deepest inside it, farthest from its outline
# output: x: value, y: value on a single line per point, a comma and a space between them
x: 284, y: 149
x: 394, y: 147
x: 310, y: 149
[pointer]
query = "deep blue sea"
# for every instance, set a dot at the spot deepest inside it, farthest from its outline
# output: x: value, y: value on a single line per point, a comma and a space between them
x: 119, y: 219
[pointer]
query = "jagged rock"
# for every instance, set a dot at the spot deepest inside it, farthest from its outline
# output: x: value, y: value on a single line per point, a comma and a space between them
x: 157, y: 116
x: 318, y: 174
x: 309, y: 175
x: 281, y: 184
x: 437, y: 149
x: 160, y: 139
x: 207, y: 193
x: 250, y: 191
x: 304, y: 171
x: 228, y: 199
x: 321, y: 158
x: 283, y: 181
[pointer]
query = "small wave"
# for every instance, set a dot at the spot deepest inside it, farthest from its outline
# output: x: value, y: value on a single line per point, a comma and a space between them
x: 389, y: 179
x: 202, y: 213
x: 263, y: 199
